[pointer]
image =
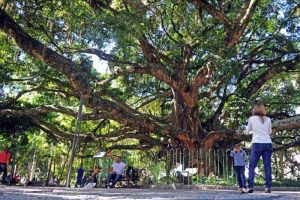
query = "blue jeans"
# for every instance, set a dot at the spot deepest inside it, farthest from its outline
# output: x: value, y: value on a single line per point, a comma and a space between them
x: 78, y: 182
x: 114, y: 178
x: 258, y: 150
x: 240, y: 174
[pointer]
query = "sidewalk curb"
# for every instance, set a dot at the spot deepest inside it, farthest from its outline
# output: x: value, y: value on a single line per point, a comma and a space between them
x: 215, y: 187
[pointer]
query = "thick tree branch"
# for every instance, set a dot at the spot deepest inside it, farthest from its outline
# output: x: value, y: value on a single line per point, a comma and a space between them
x: 122, y: 104
x: 288, y: 145
x: 273, y: 70
x: 213, y: 88
x: 23, y: 79
x: 20, y: 94
x: 49, y: 128
x: 104, y: 56
x: 155, y: 70
x: 60, y: 91
x: 203, y: 75
x: 131, y: 147
x: 287, y: 124
x: 167, y: 94
x: 151, y: 53
x: 98, y: 5
x: 42, y: 110
x: 124, y: 116
x: 240, y: 23
x: 31, y: 112
x: 214, y: 120
x: 77, y: 74
x: 234, y: 28
x: 96, y: 115
x: 217, y: 14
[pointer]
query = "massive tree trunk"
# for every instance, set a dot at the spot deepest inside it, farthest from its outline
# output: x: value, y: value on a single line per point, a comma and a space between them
x: 186, y: 117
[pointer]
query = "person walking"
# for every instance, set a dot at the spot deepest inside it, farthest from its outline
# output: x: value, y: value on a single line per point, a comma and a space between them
x: 238, y: 155
x: 260, y: 126
x: 4, y: 160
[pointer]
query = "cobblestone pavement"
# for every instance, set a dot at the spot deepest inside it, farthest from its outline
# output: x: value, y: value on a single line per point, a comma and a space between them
x: 38, y: 193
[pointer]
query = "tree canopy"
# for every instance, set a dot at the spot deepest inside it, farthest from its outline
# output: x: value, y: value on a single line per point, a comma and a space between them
x: 180, y: 73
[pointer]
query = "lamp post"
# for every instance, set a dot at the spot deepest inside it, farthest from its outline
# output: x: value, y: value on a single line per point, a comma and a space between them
x: 75, y: 141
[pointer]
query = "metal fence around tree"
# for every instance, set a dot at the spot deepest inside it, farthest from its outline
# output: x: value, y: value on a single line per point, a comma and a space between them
x: 195, y: 167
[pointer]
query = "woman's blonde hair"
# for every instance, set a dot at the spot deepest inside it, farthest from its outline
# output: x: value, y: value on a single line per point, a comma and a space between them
x: 259, y: 110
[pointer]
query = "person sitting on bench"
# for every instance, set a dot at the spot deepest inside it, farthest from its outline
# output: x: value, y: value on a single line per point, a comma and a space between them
x: 96, y: 171
x: 116, y: 172
x: 91, y: 178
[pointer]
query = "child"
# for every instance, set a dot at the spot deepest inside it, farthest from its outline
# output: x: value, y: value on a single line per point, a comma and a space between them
x: 238, y: 155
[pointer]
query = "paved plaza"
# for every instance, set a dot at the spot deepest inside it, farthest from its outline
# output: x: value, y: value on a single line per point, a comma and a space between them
x: 39, y: 193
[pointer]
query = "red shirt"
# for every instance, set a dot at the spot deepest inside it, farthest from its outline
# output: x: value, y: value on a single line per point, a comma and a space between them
x: 4, y: 157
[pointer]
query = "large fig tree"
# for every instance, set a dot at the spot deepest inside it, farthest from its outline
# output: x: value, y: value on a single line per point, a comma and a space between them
x: 179, y: 73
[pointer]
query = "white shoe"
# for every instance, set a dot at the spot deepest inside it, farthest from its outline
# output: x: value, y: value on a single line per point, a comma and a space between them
x: 244, y: 190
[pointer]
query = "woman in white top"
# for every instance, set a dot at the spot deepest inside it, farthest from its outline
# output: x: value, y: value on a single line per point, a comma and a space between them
x: 260, y: 127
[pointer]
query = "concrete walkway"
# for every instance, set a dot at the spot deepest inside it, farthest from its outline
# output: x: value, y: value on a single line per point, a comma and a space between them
x: 38, y: 193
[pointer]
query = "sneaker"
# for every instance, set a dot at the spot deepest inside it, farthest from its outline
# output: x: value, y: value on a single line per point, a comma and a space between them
x: 250, y: 190
x: 267, y: 190
x: 244, y: 190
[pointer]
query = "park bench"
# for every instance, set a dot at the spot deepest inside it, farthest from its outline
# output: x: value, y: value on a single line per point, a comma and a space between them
x: 133, y: 178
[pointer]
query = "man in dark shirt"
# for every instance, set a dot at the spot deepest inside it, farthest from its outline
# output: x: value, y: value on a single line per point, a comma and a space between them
x: 4, y: 159
x: 80, y: 172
